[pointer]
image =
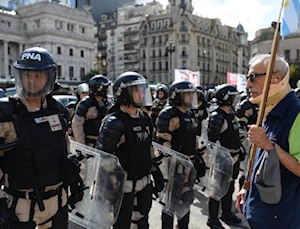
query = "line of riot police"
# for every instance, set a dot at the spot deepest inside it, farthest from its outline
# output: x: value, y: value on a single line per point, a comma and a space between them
x: 174, y: 120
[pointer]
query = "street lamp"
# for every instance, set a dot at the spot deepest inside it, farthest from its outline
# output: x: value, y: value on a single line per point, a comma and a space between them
x: 203, y: 77
x: 170, y: 49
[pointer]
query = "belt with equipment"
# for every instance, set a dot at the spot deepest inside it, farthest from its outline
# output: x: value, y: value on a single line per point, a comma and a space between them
x: 32, y: 195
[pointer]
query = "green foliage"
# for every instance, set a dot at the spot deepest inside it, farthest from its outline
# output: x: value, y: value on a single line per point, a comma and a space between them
x: 294, y: 75
x: 89, y: 75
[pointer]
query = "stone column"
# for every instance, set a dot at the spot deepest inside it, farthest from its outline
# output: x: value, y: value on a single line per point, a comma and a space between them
x: 5, y: 44
x: 20, y: 49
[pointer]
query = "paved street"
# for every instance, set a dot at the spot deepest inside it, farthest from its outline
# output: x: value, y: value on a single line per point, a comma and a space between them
x: 198, y: 216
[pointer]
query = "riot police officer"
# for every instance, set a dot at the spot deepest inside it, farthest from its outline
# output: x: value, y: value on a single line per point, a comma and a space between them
x: 223, y: 127
x: 177, y: 129
x: 246, y: 113
x: 200, y: 112
x: 159, y: 103
x: 34, y: 148
x: 81, y: 91
x: 127, y: 133
x: 91, y: 110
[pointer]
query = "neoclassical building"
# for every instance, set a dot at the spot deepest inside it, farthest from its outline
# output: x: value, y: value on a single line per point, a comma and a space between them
x: 155, y: 41
x: 288, y: 47
x: 68, y: 33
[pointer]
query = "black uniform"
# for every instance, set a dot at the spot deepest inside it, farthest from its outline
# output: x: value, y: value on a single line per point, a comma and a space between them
x: 183, y: 140
x: 158, y: 105
x: 247, y: 113
x: 130, y: 140
x: 200, y: 114
x: 38, y: 158
x: 91, y: 125
x: 229, y: 138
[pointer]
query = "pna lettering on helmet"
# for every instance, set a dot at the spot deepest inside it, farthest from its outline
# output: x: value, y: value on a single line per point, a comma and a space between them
x: 31, y: 56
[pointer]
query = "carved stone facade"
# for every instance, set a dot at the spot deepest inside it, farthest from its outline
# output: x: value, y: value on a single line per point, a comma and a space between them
x: 142, y: 33
x: 68, y: 33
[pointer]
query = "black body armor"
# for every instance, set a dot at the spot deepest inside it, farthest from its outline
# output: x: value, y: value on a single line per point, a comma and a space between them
x: 36, y: 160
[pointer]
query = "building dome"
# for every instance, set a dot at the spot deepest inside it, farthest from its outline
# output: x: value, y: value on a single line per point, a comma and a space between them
x: 240, y: 28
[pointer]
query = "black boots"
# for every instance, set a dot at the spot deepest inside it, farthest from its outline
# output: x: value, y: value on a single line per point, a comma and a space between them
x: 214, y: 223
x: 230, y: 218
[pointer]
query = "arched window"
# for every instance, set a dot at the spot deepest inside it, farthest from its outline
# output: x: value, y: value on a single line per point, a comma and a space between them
x: 182, y: 26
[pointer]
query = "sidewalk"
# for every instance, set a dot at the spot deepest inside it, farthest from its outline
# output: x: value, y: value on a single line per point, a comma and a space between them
x: 198, y: 215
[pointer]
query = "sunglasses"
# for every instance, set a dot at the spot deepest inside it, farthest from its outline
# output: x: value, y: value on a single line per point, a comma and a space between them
x: 252, y: 76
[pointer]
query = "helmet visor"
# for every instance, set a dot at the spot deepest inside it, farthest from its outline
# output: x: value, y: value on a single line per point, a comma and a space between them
x: 139, y: 93
x: 34, y: 83
x: 109, y: 92
x: 189, y: 98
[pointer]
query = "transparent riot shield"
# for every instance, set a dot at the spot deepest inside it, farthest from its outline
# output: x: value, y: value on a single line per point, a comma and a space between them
x: 103, y: 177
x: 246, y: 144
x: 220, y: 165
x: 180, y: 174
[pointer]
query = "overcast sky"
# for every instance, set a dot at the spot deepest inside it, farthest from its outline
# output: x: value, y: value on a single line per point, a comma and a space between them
x: 252, y: 14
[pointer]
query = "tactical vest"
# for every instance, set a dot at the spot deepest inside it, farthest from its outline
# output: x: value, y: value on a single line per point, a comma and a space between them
x: 184, y: 138
x: 230, y: 138
x: 253, y: 118
x: 135, y: 154
x: 36, y: 160
x: 92, y: 126
x: 156, y: 108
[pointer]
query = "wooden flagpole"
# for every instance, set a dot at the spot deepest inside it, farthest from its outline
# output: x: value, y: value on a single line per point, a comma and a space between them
x: 265, y: 93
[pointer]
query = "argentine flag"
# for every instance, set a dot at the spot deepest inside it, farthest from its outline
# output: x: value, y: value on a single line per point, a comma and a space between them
x: 290, y: 17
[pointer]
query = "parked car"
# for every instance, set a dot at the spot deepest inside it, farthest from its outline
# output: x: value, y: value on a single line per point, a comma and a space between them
x: 65, y: 99
x: 2, y: 93
x: 10, y: 91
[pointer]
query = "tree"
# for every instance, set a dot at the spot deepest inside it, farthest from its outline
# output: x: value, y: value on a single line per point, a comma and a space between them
x: 294, y: 75
x: 90, y: 75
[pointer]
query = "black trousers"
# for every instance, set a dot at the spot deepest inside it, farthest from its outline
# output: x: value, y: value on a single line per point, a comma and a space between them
x: 59, y: 221
x: 168, y: 221
x: 144, y: 199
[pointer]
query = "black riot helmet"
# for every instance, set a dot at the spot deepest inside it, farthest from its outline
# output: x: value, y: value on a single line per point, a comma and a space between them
x: 132, y: 88
x: 200, y: 93
x: 36, y: 73
x: 100, y: 85
x: 225, y: 94
x: 163, y: 88
x: 183, y: 93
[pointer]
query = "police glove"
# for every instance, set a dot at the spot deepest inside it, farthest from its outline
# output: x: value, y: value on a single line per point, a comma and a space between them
x: 77, y: 191
x: 75, y: 181
x: 159, y: 182
x: 7, y: 216
x: 199, y: 163
x: 242, y: 153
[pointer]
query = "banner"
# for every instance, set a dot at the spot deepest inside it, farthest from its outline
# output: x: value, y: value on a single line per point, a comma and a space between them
x: 187, y: 75
x: 238, y: 80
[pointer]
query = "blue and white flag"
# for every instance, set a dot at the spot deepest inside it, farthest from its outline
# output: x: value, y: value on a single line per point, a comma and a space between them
x: 290, y: 17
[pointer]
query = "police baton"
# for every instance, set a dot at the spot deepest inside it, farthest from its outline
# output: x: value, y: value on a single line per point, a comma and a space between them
x: 39, y: 199
x: 8, y: 146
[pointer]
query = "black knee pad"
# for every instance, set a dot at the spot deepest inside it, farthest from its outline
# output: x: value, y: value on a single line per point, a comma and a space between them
x: 143, y: 223
x: 144, y: 199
